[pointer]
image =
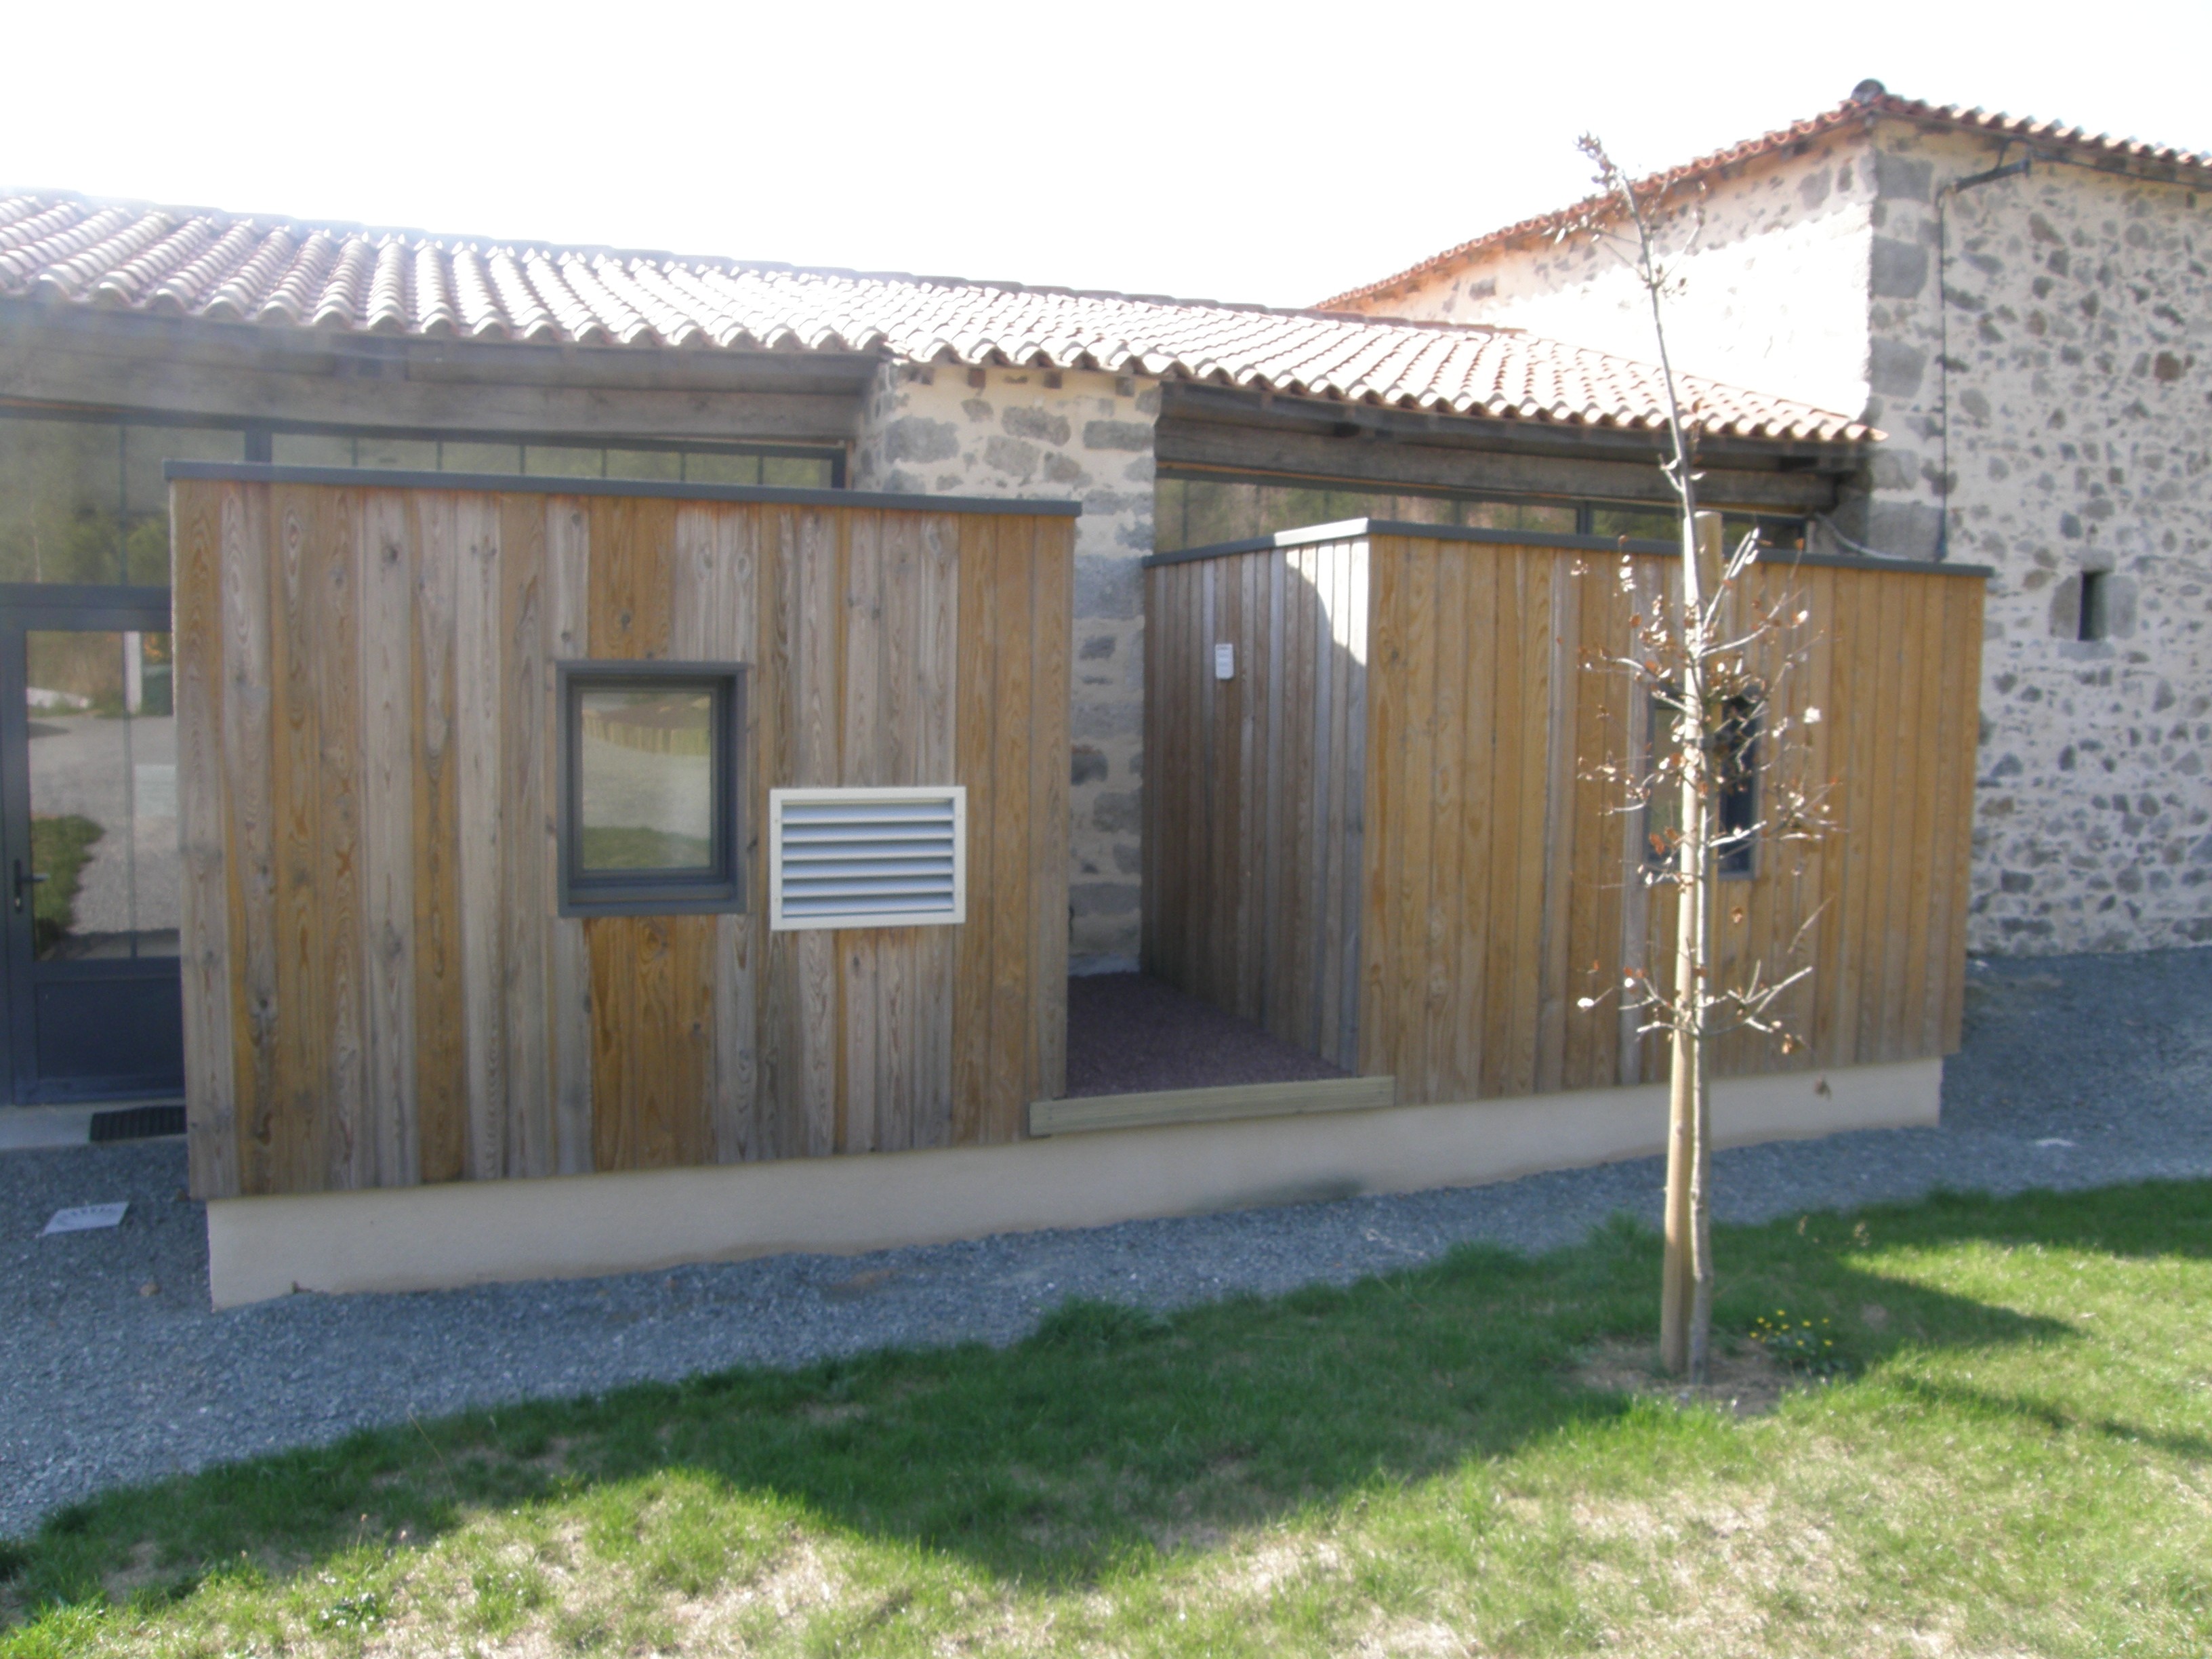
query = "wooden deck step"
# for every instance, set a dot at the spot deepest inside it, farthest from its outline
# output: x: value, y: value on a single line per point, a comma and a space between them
x: 1235, y: 1100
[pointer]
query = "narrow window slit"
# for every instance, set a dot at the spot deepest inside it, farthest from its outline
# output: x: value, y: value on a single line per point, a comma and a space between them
x: 2091, y: 623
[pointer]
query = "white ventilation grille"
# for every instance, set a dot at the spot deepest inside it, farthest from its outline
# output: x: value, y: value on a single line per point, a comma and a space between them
x: 867, y: 858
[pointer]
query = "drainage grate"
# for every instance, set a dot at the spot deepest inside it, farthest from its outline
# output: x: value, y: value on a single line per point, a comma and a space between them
x: 138, y: 1123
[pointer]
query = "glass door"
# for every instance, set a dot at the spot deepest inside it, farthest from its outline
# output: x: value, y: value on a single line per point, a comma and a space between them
x: 89, y: 860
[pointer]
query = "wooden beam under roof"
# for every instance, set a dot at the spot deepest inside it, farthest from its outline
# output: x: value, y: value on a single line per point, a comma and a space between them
x: 126, y: 363
x: 1188, y: 447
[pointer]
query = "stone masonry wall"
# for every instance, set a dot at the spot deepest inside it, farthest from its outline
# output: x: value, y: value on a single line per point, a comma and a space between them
x: 1075, y: 434
x: 2081, y: 370
x: 1773, y: 294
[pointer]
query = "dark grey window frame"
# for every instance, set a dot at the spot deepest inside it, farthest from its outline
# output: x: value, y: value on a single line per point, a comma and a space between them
x: 1736, y: 799
x: 718, y: 889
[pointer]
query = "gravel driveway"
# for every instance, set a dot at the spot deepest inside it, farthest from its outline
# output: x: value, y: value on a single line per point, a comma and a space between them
x: 2077, y: 1072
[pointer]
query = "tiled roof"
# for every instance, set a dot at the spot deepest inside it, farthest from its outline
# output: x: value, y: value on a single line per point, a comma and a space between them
x: 1870, y: 102
x: 192, y: 263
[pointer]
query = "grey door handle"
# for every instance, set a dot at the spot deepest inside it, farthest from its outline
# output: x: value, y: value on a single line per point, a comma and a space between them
x: 25, y: 880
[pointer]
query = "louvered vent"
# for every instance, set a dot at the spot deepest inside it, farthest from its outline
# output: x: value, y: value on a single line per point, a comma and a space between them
x: 867, y: 858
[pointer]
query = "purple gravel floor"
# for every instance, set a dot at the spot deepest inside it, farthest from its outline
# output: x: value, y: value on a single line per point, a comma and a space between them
x: 1132, y: 1034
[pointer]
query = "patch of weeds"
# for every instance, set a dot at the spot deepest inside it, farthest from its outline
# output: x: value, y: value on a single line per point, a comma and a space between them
x: 167, y: 1592
x: 1802, y: 1345
x: 1083, y: 1324
x: 505, y: 1596
x: 14, y: 1558
x: 363, y: 1610
x: 71, y: 1520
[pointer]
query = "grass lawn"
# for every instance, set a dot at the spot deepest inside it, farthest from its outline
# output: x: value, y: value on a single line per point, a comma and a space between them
x: 2017, y: 1459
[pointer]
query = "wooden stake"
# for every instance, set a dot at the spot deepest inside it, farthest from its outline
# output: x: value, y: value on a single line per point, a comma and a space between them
x: 1686, y: 1291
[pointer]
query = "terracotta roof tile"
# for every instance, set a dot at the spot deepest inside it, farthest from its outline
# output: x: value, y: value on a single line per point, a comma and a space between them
x: 1869, y: 103
x: 196, y: 264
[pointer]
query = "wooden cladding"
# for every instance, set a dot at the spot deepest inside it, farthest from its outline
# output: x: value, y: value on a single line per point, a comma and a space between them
x: 1257, y: 788
x: 378, y: 987
x: 1440, y: 684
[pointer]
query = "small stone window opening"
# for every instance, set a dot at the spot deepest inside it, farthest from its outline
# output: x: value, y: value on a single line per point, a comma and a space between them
x: 2094, y: 621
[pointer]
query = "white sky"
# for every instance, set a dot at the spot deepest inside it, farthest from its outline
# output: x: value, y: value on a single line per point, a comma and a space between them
x: 1230, y: 151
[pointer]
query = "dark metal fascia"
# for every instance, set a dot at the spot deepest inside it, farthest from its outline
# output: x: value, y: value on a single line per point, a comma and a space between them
x: 1349, y: 530
x: 371, y: 477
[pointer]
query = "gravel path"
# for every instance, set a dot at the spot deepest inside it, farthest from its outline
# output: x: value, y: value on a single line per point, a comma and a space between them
x: 2077, y: 1072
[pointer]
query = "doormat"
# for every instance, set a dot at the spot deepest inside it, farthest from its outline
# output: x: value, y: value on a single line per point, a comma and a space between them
x: 138, y: 1123
x: 85, y: 1218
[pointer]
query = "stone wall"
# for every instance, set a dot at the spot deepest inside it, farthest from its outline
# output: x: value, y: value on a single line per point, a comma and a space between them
x: 1774, y: 285
x: 2080, y: 304
x: 1079, y: 434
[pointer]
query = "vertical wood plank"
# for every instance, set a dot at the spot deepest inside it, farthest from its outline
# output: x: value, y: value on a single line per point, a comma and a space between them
x: 1013, y: 1035
x: 1858, y: 701
x: 440, y: 1045
x: 1480, y: 623
x: 690, y: 1039
x: 816, y: 633
x: 301, y: 1055
x: 1894, y: 775
x: 394, y: 1157
x: 618, y: 1118
x: 974, y: 738
x: 1518, y: 719
x: 1596, y: 873
x: 1456, y: 793
x: 1526, y: 795
x: 477, y: 743
x: 249, y: 732
x: 334, y: 651
x: 1158, y: 872
x: 1922, y: 855
x: 1279, y: 1014
x: 528, y: 815
x: 1379, y: 942
x: 1639, y: 926
x: 1053, y: 622
x: 723, y: 565
x: 862, y: 743
x: 1824, y: 863
x: 898, y: 740
x: 650, y: 1058
x: 1189, y: 852
x: 1208, y: 813
x: 1562, y: 719
x: 211, y: 1050
x: 1240, y: 809
x: 782, y: 1122
x: 1358, y: 631
x: 567, y: 954
x: 937, y: 677
x: 1328, y: 1036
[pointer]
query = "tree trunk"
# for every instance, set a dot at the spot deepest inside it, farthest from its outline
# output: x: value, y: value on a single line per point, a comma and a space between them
x: 1686, y: 1295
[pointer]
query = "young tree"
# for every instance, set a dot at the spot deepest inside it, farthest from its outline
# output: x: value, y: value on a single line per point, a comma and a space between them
x: 1711, y: 670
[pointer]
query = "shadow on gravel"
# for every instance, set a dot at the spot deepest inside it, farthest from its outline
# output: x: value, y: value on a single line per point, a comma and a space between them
x: 1111, y: 1431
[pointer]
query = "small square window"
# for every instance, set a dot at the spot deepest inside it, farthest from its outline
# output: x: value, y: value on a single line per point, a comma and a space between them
x: 651, y: 787
x: 1734, y: 763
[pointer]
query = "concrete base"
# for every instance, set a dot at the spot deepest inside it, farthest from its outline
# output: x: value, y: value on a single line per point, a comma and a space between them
x: 40, y: 1128
x: 469, y: 1233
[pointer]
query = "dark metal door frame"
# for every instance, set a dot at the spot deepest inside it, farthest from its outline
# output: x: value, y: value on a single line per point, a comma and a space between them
x: 26, y: 608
